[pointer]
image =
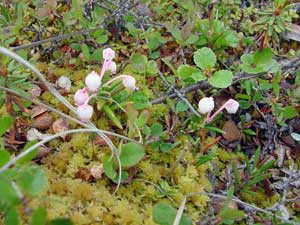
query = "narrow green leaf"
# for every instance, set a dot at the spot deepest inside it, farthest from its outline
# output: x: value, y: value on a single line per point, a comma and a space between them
x: 112, y: 116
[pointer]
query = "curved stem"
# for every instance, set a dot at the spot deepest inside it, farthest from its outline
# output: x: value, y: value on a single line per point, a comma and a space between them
x: 114, y: 79
x: 19, y: 59
x: 47, y: 139
x: 104, y: 68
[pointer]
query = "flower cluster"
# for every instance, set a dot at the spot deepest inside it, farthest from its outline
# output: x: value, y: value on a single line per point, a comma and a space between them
x: 93, y: 82
x: 206, y: 106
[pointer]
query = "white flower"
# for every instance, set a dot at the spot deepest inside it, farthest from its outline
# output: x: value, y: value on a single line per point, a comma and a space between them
x: 232, y: 106
x: 85, y: 112
x: 93, y: 81
x: 129, y: 82
x: 97, y: 171
x: 64, y: 82
x: 81, y: 96
x: 112, y: 67
x: 33, y: 134
x: 206, y: 105
x: 108, y: 54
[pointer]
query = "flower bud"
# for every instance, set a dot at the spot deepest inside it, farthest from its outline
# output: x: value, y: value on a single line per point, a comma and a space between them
x: 112, y: 67
x: 64, y: 82
x: 93, y: 81
x: 108, y: 54
x: 81, y: 96
x: 232, y: 106
x: 206, y: 105
x: 85, y: 112
x: 129, y: 82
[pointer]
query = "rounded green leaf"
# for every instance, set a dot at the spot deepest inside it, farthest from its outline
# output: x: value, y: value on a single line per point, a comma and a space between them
x: 185, y: 72
x: 140, y: 100
x: 131, y: 154
x: 205, y: 58
x: 199, y: 76
x: 221, y: 79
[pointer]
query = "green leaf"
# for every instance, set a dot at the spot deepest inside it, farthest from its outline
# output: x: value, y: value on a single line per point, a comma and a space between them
x: 205, y: 58
x: 97, y: 55
x: 140, y: 100
x: 38, y: 217
x: 250, y: 132
x: 143, y: 118
x: 156, y: 129
x: 8, y: 196
x: 244, y: 104
x: 191, y: 39
x: 166, y: 147
x: 231, y: 214
x: 61, y: 221
x: 112, y: 116
x: 31, y: 179
x: 11, y: 217
x: 124, y: 176
x: 152, y: 68
x: 199, y: 76
x: 205, y: 158
x: 4, y: 157
x: 289, y: 112
x: 165, y: 214
x: 109, y: 169
x: 264, y: 56
x: 221, y: 79
x: 131, y: 154
x: 85, y: 51
x: 185, y: 72
x: 139, y: 63
x: 5, y: 123
x: 181, y: 106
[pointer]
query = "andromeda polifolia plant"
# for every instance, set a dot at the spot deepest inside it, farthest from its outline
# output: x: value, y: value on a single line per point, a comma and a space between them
x: 93, y: 82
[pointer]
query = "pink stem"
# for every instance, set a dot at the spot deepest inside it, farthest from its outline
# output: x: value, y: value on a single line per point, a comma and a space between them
x: 90, y: 97
x: 104, y: 68
x: 209, y: 118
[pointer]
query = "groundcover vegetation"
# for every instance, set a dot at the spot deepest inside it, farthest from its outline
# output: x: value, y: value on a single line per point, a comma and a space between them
x: 170, y: 112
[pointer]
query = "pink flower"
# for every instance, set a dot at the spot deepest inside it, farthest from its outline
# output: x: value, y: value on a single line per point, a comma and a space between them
x: 81, y: 96
x: 108, y: 54
x: 93, y: 81
x: 85, y: 112
x: 129, y: 82
x: 112, y: 67
x: 232, y: 106
x: 206, y: 105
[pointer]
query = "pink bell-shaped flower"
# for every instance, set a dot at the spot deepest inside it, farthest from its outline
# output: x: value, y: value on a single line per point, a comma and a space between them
x: 206, y: 105
x: 232, y: 106
x: 112, y: 67
x: 81, y: 96
x: 108, y: 54
x: 129, y: 82
x: 85, y: 112
x: 93, y: 81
